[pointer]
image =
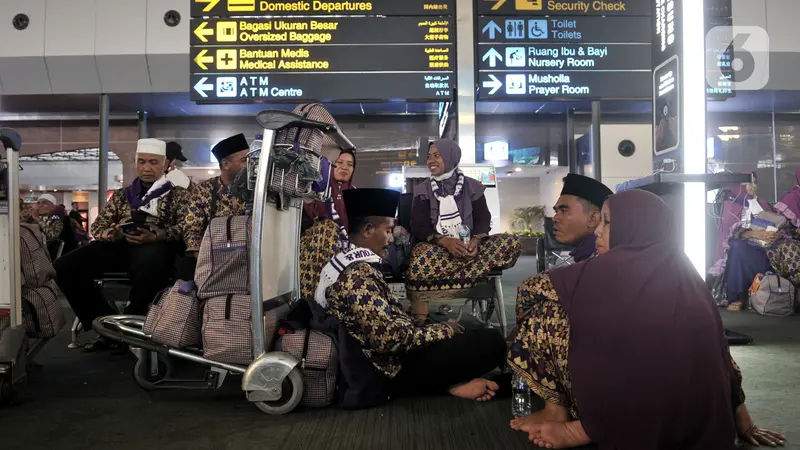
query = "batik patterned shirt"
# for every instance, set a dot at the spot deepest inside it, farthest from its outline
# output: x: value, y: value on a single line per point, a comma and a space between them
x: 51, y: 226
x: 167, y: 226
x: 362, y: 301
x: 199, y: 210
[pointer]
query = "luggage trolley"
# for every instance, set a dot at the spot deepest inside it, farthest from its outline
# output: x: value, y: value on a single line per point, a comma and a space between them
x: 273, y: 381
x: 14, y: 347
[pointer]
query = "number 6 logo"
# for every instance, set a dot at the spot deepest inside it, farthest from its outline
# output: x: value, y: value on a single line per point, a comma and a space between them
x: 747, y: 60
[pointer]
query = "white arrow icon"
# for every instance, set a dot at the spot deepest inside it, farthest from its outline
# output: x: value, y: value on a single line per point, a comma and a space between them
x: 201, y: 87
x: 493, y: 56
x: 494, y: 84
x: 492, y: 28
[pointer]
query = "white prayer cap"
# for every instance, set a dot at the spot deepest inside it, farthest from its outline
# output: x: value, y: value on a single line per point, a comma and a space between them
x: 151, y: 147
x: 49, y: 197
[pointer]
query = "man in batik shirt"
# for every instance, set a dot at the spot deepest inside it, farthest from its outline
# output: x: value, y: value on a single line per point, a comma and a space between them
x: 47, y: 215
x: 213, y: 198
x: 138, y: 232
x: 417, y: 360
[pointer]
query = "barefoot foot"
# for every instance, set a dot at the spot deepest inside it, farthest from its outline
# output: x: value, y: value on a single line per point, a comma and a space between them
x: 559, y: 435
x: 550, y: 413
x: 479, y: 389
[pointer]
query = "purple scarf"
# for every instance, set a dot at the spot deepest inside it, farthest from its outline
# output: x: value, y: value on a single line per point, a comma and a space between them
x: 133, y: 193
x: 789, y: 205
x: 472, y: 190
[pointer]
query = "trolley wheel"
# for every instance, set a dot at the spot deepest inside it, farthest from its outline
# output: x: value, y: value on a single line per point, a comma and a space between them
x: 291, y: 394
x: 146, y: 379
x: 7, y: 394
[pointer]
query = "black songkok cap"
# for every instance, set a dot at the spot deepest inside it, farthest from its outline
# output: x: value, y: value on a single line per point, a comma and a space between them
x: 230, y: 146
x: 370, y: 202
x: 174, y: 151
x: 586, y: 188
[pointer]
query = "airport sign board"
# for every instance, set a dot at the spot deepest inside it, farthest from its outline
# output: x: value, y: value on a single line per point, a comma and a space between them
x: 565, y: 7
x: 233, y: 8
x: 321, y: 50
x: 295, y: 87
x: 554, y: 50
x: 315, y: 31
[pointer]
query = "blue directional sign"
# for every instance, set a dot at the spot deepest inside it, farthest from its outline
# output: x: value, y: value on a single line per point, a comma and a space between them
x: 516, y: 29
x: 492, y: 29
x: 537, y: 29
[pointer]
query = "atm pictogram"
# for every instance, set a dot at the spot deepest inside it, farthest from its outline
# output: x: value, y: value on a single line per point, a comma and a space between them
x: 226, y: 31
x: 241, y: 5
x: 226, y: 60
x: 529, y: 5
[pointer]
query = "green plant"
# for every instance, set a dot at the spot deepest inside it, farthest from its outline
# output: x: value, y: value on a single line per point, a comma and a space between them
x: 527, y: 219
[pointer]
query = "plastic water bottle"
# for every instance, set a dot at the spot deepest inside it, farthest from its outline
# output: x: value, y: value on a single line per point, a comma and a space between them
x: 464, y: 234
x: 520, y: 397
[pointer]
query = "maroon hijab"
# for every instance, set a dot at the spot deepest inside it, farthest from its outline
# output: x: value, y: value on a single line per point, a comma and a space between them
x: 648, y: 357
x: 317, y: 209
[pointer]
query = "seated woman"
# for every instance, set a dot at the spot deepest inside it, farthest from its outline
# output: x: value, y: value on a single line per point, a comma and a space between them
x: 443, y: 266
x: 324, y: 227
x: 627, y: 349
x: 742, y: 253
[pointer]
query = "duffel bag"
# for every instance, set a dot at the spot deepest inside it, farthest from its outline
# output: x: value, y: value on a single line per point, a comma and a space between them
x: 37, y: 268
x: 176, y: 317
x: 223, y: 264
x: 41, y: 310
x: 226, y: 329
x: 772, y: 295
x: 319, y: 363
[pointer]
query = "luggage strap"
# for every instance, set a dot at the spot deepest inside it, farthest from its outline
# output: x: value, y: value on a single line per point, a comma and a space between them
x: 228, y: 302
x: 305, y: 349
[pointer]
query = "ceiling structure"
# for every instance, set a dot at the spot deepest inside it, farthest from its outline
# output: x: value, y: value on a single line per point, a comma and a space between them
x: 86, y: 154
x: 33, y: 107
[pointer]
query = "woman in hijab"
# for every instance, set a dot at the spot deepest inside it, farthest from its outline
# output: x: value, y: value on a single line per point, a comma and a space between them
x: 324, y: 227
x: 743, y: 253
x: 648, y: 366
x: 451, y: 222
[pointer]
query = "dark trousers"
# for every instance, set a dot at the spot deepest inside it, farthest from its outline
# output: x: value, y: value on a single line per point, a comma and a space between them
x: 149, y: 268
x: 435, y: 369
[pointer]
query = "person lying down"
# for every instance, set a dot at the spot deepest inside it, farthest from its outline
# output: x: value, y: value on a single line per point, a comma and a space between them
x: 415, y: 360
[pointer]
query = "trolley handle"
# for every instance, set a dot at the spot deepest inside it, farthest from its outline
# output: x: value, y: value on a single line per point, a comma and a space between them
x: 10, y: 139
x: 273, y: 119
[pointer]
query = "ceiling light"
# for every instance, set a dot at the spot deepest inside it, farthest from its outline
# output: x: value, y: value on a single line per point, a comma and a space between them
x: 211, y: 172
x: 518, y: 169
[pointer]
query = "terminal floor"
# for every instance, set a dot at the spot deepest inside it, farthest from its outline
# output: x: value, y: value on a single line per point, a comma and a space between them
x: 87, y: 401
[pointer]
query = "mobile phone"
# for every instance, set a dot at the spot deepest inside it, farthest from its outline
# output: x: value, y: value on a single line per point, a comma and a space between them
x: 130, y: 228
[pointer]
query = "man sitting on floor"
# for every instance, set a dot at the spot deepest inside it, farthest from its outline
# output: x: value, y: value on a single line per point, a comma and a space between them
x: 577, y: 214
x: 417, y: 360
x: 138, y: 232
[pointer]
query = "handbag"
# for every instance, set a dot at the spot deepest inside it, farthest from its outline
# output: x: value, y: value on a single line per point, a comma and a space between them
x: 177, y: 317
